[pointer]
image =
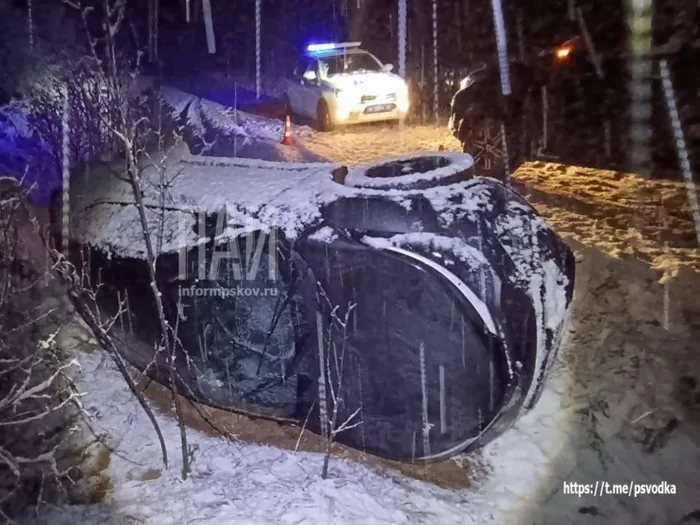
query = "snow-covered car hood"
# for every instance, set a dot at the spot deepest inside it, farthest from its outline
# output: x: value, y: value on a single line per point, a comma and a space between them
x: 374, y: 82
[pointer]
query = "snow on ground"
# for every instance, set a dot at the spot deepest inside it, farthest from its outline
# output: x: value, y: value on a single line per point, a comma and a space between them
x: 366, y: 143
x: 244, y: 484
x: 620, y: 213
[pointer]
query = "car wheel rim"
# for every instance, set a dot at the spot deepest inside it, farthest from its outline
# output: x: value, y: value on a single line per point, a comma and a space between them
x: 487, y: 147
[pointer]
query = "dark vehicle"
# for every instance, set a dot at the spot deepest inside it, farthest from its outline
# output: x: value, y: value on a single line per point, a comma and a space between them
x: 491, y: 128
x: 460, y: 294
x: 561, y: 109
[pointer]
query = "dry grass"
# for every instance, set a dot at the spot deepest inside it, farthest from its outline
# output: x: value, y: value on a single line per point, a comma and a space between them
x: 218, y: 422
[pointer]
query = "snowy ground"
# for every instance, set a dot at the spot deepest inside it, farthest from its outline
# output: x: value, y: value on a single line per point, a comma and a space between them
x: 619, y: 406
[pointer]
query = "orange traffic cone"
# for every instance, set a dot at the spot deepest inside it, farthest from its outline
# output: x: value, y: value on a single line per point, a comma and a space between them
x: 441, y: 148
x: 287, y: 140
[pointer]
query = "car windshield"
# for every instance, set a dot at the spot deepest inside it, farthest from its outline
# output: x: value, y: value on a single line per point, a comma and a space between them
x: 350, y: 63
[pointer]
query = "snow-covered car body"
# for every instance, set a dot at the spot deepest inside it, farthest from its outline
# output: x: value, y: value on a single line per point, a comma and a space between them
x: 443, y: 295
x: 343, y: 84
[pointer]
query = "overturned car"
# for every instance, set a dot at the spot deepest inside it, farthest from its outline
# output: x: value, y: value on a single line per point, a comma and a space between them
x: 409, y: 306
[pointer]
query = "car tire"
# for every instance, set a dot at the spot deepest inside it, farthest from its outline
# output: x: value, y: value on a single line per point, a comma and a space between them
x: 324, y: 120
x: 484, y: 143
x: 412, y: 172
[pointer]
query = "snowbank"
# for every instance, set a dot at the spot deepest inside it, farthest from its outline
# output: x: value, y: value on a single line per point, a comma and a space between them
x: 224, y: 119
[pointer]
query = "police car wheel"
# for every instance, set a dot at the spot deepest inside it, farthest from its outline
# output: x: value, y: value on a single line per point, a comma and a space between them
x: 323, y: 117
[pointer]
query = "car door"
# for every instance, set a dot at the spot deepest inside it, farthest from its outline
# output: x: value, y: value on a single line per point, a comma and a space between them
x: 296, y: 87
x: 311, y: 92
x: 304, y: 92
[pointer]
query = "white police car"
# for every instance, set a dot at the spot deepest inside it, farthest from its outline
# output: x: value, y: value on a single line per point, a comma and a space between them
x: 339, y: 83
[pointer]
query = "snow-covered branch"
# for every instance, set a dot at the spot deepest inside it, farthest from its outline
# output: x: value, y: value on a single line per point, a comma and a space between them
x: 38, y: 401
x: 332, y: 357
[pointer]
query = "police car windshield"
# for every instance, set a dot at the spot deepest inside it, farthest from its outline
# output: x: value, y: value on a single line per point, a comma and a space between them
x: 350, y: 63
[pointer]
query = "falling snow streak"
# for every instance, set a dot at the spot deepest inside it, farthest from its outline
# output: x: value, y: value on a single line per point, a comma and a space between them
x: 599, y: 72
x: 492, y: 380
x: 545, y: 111
x: 464, y: 345
x: 506, y: 167
x: 681, y: 147
x: 209, y: 26
x: 424, y: 390
x: 502, y: 46
x: 640, y: 69
x: 435, y: 64
x: 413, y: 446
x: 156, y: 15
x: 402, y: 38
x: 65, y: 219
x: 235, y: 119
x: 589, y: 43
x: 402, y: 46
x: 362, y: 401
x: 666, y: 305
x: 443, y: 402
x: 30, y: 21
x: 482, y: 275
x: 257, y: 48
x: 322, y: 392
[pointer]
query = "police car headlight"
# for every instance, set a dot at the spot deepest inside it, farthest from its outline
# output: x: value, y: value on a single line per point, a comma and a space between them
x: 344, y: 100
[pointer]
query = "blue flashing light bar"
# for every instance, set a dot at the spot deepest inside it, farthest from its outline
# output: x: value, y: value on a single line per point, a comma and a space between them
x: 318, y: 48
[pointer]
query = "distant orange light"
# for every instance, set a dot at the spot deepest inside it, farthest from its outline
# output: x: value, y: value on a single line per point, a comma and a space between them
x: 563, y: 52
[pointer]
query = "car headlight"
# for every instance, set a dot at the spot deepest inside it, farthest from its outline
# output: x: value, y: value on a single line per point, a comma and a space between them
x: 344, y: 99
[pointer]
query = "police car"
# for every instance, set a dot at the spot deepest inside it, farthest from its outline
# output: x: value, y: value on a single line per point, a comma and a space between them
x: 339, y: 83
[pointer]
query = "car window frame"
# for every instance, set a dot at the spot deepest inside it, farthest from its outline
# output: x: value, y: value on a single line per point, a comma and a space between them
x: 379, y: 63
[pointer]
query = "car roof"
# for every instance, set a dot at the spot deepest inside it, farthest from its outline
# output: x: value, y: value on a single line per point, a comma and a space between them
x: 336, y: 52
